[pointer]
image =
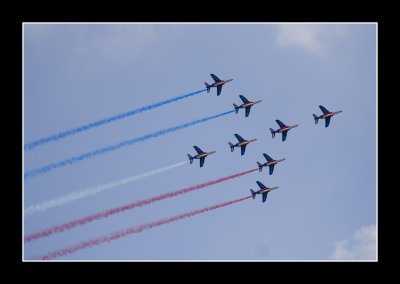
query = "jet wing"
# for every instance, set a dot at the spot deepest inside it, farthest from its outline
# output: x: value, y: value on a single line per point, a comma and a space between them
x: 265, y: 194
x: 243, y: 149
x: 261, y: 185
x: 216, y: 79
x: 239, y: 138
x: 327, y: 120
x: 247, y: 111
x: 271, y: 169
x: 267, y: 157
x: 244, y: 99
x: 219, y: 89
x: 281, y: 124
x: 202, y: 161
x: 324, y: 110
x: 284, y: 134
x: 198, y: 150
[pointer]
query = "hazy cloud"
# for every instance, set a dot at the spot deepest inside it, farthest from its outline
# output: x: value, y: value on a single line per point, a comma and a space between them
x: 362, y: 245
x: 118, y: 43
x: 115, y: 42
x: 34, y: 33
x: 262, y: 251
x: 126, y: 40
x: 310, y: 37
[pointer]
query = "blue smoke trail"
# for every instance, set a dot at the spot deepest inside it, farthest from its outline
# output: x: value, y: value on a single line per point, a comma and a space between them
x: 61, y: 135
x: 114, y: 147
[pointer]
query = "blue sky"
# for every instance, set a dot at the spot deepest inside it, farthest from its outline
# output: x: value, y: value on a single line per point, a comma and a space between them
x: 325, y: 207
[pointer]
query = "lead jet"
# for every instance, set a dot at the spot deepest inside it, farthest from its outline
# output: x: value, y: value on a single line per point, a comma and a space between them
x: 283, y: 129
x: 218, y: 83
x: 326, y: 115
x: 242, y: 144
x: 200, y: 155
x: 269, y: 163
x: 263, y: 190
x: 246, y: 105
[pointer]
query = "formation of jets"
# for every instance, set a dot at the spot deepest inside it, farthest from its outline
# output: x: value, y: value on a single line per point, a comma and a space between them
x: 242, y: 143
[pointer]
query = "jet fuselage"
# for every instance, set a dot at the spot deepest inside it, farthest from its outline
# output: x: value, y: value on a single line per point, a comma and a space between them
x: 287, y: 128
x: 273, y: 162
x: 249, y: 104
x: 199, y: 156
x: 240, y: 144
x: 329, y: 114
x: 220, y: 83
x: 268, y: 189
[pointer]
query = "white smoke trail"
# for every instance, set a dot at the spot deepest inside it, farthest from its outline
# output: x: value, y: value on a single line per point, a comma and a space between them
x: 44, y: 205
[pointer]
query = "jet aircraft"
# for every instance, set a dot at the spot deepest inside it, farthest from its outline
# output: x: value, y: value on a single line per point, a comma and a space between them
x: 283, y: 129
x: 242, y: 143
x: 200, y: 155
x: 263, y: 190
x: 269, y: 163
x: 218, y: 84
x: 246, y: 105
x: 326, y: 115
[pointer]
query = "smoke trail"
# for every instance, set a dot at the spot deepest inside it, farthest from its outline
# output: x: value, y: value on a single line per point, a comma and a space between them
x: 88, y: 219
x: 114, y: 147
x: 133, y: 230
x: 62, y: 135
x: 94, y: 190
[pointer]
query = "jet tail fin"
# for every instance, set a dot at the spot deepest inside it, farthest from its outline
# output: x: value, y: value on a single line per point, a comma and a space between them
x: 236, y: 108
x: 207, y: 86
x: 253, y: 193
x: 190, y: 159
x: 316, y: 118
x: 232, y: 146
x: 272, y: 132
x: 259, y: 166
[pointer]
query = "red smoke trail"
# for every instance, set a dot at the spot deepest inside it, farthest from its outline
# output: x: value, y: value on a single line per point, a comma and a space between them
x: 133, y: 230
x: 79, y: 222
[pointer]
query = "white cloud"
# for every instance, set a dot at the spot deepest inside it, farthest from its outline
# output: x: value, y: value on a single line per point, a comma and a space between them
x: 361, y: 246
x: 310, y: 37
